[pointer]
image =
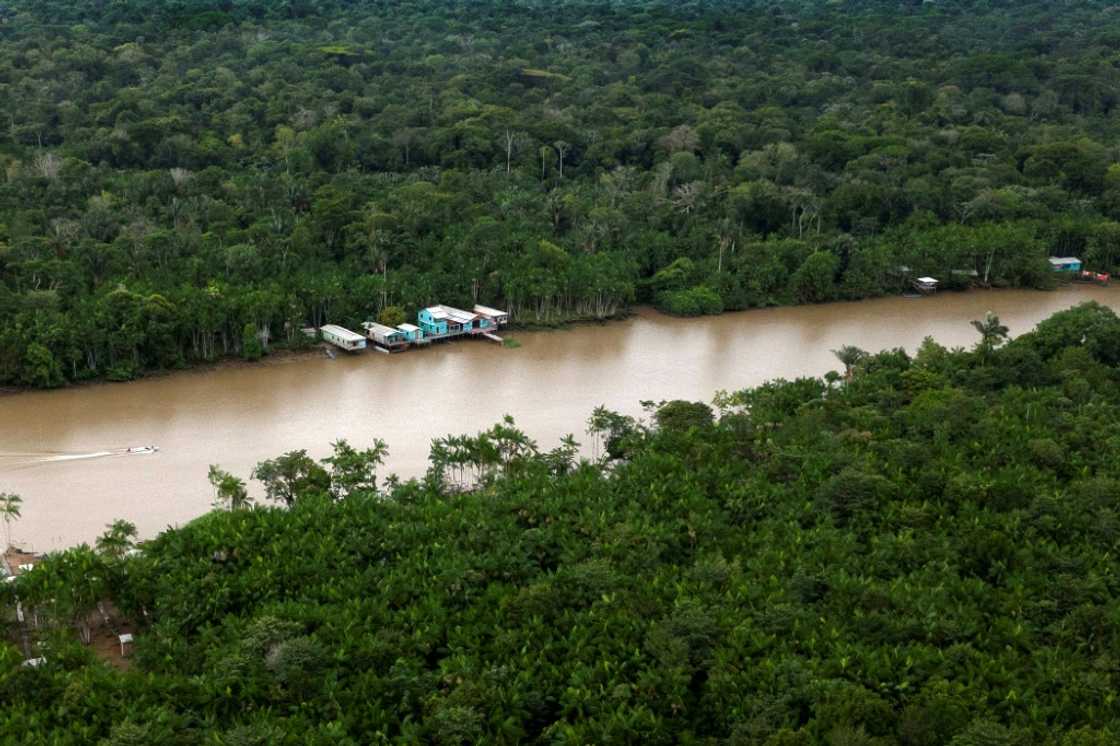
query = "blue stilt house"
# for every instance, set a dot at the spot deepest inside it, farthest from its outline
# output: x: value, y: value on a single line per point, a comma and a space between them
x: 445, y: 321
x: 1065, y: 264
x: 411, y: 332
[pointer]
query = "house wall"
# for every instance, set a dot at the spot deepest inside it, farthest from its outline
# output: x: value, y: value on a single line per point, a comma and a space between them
x: 430, y: 325
x: 344, y: 344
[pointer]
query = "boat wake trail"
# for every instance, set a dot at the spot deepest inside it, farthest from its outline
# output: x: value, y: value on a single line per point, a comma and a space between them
x: 12, y: 461
x: 79, y: 456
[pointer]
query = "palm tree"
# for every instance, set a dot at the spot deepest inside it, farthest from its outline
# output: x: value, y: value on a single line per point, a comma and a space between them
x: 9, y: 511
x: 119, y: 537
x: 229, y: 491
x: 850, y: 356
x: 992, y: 332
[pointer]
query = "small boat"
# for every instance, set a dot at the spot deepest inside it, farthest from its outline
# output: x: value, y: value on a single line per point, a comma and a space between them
x: 143, y: 449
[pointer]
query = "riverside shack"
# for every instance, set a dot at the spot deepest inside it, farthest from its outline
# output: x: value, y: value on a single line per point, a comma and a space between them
x: 387, y: 337
x: 411, y: 332
x: 342, y: 338
x: 446, y: 321
x: 496, y: 317
x: 1065, y: 264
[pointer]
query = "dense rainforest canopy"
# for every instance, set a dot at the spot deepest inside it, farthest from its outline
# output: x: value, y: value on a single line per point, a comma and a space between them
x: 179, y: 178
x: 919, y: 551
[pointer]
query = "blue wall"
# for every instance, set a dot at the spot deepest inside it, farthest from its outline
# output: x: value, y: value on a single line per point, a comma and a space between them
x: 430, y: 325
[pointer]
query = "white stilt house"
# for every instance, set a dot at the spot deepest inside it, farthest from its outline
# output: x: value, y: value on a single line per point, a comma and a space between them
x: 342, y: 338
x: 498, y: 318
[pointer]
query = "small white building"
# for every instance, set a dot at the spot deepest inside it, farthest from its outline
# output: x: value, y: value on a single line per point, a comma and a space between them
x: 499, y: 318
x: 343, y: 338
x: 386, y: 336
x: 926, y: 284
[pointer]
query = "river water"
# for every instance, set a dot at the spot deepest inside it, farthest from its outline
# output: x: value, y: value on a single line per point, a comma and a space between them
x: 62, y: 450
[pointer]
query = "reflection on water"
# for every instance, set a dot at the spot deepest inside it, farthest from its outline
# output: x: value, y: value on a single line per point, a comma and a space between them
x: 61, y: 450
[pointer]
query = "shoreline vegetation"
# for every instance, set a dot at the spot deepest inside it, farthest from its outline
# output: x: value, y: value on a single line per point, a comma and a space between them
x: 181, y: 182
x: 280, y: 355
x: 882, y: 555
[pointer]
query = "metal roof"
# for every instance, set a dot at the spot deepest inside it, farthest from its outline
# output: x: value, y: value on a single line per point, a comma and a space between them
x: 449, y: 313
x: 408, y: 328
x: 928, y: 280
x: 376, y: 328
x: 1064, y: 260
x: 341, y: 333
x: 487, y: 311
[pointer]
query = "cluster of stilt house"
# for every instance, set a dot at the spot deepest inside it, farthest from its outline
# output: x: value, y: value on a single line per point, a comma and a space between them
x: 433, y: 324
x: 1069, y: 266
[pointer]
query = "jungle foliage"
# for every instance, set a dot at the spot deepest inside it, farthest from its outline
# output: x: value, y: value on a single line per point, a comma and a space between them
x: 182, y: 180
x: 919, y: 551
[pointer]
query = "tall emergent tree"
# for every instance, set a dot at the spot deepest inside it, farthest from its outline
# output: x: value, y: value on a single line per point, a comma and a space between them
x: 10, y: 512
x: 119, y: 537
x: 291, y: 475
x: 850, y: 356
x: 992, y: 332
x: 229, y: 491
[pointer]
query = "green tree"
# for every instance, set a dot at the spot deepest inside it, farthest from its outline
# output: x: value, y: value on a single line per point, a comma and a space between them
x: 250, y: 343
x: 68, y: 585
x: 683, y: 415
x: 391, y: 316
x: 354, y: 471
x: 41, y: 369
x: 288, y: 476
x: 815, y: 280
x: 9, y: 512
x: 119, y: 537
x: 849, y: 356
x: 229, y: 491
x: 992, y: 332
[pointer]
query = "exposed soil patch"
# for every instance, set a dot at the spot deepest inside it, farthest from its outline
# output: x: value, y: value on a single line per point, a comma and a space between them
x: 14, y: 557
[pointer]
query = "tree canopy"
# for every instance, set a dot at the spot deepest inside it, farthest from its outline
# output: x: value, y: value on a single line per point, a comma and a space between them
x: 185, y: 180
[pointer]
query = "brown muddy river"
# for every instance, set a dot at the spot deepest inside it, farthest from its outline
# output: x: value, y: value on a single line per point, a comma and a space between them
x: 61, y: 450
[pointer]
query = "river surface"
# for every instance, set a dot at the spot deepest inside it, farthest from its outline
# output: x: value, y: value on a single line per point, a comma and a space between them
x: 62, y: 450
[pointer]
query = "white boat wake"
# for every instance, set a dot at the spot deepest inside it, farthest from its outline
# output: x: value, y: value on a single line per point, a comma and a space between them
x: 10, y: 461
x: 76, y: 457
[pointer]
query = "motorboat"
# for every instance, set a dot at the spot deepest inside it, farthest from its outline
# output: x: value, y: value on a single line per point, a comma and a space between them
x: 143, y: 449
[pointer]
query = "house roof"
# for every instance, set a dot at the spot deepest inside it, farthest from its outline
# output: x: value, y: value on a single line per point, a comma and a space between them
x: 448, y: 313
x: 376, y: 328
x: 1064, y: 260
x: 487, y: 311
x: 928, y: 280
x: 344, y: 334
x: 408, y: 328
